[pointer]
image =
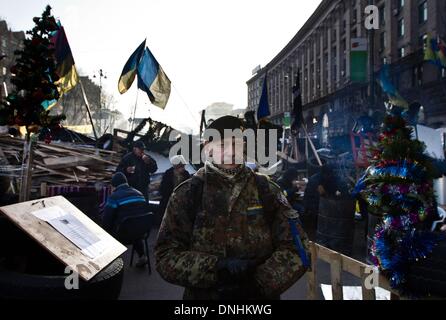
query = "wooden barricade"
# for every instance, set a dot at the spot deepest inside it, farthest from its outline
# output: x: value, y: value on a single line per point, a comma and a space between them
x: 339, y: 263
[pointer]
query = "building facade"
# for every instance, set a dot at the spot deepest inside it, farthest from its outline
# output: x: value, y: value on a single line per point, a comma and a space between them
x: 73, y: 106
x: 319, y: 57
x: 10, y: 41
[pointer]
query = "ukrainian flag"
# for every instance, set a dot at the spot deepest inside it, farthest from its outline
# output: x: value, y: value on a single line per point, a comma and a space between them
x: 386, y: 84
x: 130, y: 69
x: 435, y: 52
x: 66, y: 69
x: 429, y: 52
x: 153, y: 80
x: 263, y: 111
x: 442, y: 53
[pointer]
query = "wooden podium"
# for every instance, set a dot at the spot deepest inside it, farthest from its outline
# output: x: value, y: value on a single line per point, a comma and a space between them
x: 56, y: 243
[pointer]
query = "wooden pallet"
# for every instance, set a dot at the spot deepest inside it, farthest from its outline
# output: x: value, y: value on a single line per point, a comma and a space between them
x: 339, y: 263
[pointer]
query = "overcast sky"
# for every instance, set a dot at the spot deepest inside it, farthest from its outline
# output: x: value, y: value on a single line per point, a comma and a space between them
x: 207, y: 48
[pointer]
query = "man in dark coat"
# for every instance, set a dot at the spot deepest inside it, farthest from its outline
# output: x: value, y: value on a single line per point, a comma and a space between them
x: 171, y: 179
x: 137, y: 167
x: 124, y: 202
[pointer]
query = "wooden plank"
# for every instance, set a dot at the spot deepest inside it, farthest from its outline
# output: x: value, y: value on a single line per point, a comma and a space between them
x: 3, y: 159
x: 367, y: 294
x: 60, y: 173
x: 394, y: 296
x: 43, y: 189
x: 56, y: 243
x: 336, y: 277
x: 41, y: 154
x: 27, y: 170
x: 67, y: 162
x: 79, y: 154
x: 312, y: 275
x: 82, y: 169
x: 351, y: 266
x: 75, y: 176
x: 73, y: 147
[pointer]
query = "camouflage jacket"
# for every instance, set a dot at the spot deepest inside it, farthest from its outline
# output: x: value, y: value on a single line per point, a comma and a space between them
x: 230, y: 223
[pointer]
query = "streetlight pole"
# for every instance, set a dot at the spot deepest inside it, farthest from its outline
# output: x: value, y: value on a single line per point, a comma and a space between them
x: 101, y: 75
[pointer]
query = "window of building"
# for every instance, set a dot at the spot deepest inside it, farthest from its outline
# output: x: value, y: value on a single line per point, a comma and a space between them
x: 3, y: 43
x: 4, y: 71
x: 400, y: 4
x: 422, y: 41
x: 401, y: 52
x: 401, y: 29
x: 354, y: 16
x: 422, y: 12
x: 417, y: 77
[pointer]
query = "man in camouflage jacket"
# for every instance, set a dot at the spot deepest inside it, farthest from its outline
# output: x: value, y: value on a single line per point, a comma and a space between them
x: 220, y: 240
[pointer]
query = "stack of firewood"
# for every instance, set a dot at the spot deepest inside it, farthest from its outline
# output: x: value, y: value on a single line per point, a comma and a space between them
x: 58, y: 163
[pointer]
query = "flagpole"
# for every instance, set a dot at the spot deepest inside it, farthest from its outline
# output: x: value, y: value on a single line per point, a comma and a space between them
x: 134, y: 110
x: 312, y: 146
x: 283, y: 140
x: 88, y: 108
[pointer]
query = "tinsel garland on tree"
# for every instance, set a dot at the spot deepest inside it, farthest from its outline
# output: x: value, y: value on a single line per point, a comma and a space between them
x: 398, y: 187
x: 33, y: 77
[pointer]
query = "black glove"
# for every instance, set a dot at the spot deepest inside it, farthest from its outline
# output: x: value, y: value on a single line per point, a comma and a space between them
x: 233, y: 270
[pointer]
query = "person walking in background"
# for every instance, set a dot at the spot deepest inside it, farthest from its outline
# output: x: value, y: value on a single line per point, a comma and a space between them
x: 291, y: 187
x: 172, y: 178
x: 137, y: 167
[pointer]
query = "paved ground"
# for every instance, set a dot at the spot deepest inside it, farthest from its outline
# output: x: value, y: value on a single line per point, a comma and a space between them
x: 139, y: 285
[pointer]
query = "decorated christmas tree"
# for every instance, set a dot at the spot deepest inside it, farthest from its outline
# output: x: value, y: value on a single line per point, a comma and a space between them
x: 398, y: 188
x: 34, y: 75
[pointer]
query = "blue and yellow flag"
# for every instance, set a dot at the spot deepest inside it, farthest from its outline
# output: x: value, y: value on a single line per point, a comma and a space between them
x: 441, y: 54
x: 435, y: 52
x: 429, y: 51
x: 263, y: 111
x: 386, y: 84
x: 153, y: 80
x: 130, y: 69
x: 66, y: 68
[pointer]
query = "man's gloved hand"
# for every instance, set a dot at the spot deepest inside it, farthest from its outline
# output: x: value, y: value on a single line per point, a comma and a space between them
x: 234, y: 270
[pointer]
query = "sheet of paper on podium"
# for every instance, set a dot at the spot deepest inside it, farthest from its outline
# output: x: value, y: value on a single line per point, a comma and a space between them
x: 73, y: 230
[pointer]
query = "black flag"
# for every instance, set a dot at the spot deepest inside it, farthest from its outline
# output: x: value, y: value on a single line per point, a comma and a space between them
x: 297, y: 105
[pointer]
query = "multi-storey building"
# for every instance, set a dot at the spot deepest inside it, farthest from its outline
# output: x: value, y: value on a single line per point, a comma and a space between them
x: 319, y: 55
x: 10, y: 41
